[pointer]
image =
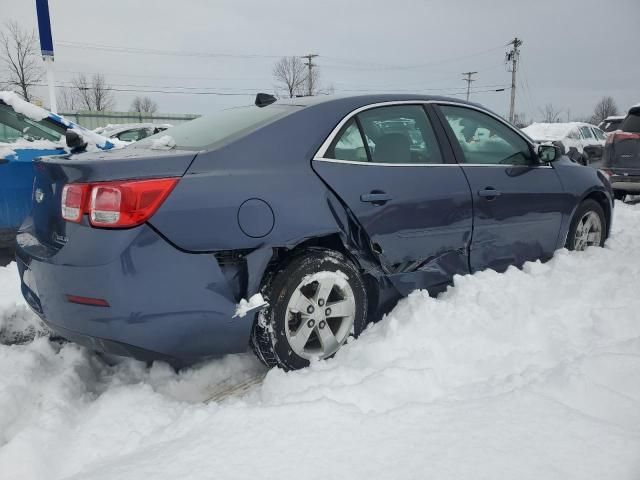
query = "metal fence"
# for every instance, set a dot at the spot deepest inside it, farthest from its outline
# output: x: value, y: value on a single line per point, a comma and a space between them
x: 91, y: 120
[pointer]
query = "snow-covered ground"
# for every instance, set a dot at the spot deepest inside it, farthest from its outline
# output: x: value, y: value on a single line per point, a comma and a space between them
x: 531, y: 374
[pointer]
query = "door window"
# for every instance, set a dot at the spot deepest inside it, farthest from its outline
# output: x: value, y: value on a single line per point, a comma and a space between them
x: 485, y: 140
x: 586, y: 133
x: 400, y: 134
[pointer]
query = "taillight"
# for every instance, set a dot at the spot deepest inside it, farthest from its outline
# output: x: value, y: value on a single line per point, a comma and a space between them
x: 619, y: 135
x: 73, y: 201
x: 118, y: 204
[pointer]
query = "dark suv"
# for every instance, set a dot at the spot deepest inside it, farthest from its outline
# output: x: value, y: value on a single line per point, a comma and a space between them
x: 621, y: 158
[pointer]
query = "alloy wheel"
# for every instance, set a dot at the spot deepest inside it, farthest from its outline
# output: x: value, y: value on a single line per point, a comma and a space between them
x: 320, y: 315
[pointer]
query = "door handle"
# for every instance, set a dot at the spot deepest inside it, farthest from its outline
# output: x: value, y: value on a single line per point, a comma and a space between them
x: 377, y: 198
x: 489, y: 193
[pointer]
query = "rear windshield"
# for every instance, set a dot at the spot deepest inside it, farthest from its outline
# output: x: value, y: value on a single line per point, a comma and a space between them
x: 631, y: 123
x: 15, y: 126
x: 611, y: 125
x: 221, y: 127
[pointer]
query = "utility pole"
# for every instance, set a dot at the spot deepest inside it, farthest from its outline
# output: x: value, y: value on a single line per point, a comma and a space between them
x: 513, y: 56
x: 469, y: 80
x: 310, y: 66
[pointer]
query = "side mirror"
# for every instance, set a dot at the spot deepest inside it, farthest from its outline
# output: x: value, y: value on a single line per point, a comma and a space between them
x: 74, y: 140
x: 548, y: 153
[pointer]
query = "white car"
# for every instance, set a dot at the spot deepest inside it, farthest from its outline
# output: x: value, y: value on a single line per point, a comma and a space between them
x: 581, y: 142
x: 132, y: 132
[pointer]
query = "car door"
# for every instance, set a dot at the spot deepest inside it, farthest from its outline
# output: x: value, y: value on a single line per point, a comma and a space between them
x: 517, y: 200
x: 591, y: 146
x: 388, y: 168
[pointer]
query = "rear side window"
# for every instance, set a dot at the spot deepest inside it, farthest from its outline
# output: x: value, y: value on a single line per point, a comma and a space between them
x: 631, y: 123
x: 485, y: 140
x: 348, y: 144
x: 221, y: 127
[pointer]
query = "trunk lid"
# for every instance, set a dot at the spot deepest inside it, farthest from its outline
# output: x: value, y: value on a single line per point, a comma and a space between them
x: 46, y: 229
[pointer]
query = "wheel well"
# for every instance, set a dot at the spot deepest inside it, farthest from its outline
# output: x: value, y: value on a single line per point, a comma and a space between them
x: 602, y: 199
x: 330, y: 242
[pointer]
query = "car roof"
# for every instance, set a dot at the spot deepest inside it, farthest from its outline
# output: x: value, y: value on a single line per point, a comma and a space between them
x: 369, y: 99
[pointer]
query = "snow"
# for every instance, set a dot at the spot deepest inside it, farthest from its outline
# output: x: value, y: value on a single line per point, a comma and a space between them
x: 530, y: 374
x: 548, y: 131
x: 21, y: 106
x: 6, y: 151
x: 40, y: 144
x: 245, y: 306
x: 165, y: 142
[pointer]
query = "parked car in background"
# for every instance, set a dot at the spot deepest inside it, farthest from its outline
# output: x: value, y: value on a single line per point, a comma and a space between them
x: 27, y: 132
x: 321, y: 211
x: 581, y: 142
x: 611, y: 124
x: 621, y: 159
x: 132, y: 132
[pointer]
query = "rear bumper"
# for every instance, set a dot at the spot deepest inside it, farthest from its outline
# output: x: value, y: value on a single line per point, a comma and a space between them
x: 164, y: 304
x: 624, y: 183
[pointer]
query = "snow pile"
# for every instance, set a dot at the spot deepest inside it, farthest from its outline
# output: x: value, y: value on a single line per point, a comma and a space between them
x: 529, y: 374
x: 6, y: 151
x: 165, y: 142
x: 18, y: 324
x: 245, y: 306
x: 22, y: 106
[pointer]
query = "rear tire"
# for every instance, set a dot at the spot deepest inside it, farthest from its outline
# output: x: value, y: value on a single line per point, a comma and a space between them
x: 588, y: 227
x: 298, y: 323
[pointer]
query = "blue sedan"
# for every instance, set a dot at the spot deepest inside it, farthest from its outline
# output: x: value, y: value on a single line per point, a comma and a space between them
x: 289, y: 225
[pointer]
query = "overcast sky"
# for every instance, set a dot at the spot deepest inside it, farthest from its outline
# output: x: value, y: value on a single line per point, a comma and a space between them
x: 574, y: 52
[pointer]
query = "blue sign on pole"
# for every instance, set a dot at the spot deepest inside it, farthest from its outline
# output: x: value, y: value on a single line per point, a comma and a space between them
x: 44, y: 28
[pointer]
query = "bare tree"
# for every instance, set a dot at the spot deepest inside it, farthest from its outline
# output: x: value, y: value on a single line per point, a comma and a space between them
x: 144, y: 105
x: 67, y: 99
x: 603, y: 109
x: 19, y: 53
x: 291, y: 75
x: 93, y: 94
x: 550, y: 114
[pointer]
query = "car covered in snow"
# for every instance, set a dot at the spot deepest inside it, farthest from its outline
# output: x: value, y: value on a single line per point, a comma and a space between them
x: 581, y: 142
x: 27, y: 132
x: 289, y: 225
x: 621, y: 160
x: 132, y: 132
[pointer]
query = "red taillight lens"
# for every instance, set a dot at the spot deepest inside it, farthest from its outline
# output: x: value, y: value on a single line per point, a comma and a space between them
x: 121, y: 204
x: 73, y: 201
x: 619, y: 135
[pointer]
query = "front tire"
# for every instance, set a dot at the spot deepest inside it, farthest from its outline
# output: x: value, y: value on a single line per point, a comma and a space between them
x: 588, y: 227
x: 316, y: 302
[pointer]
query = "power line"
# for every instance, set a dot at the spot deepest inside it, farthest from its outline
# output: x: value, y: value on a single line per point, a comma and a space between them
x: 353, y: 64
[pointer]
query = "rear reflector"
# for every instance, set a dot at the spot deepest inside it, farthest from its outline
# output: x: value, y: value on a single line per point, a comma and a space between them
x: 94, y: 302
x: 120, y: 204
